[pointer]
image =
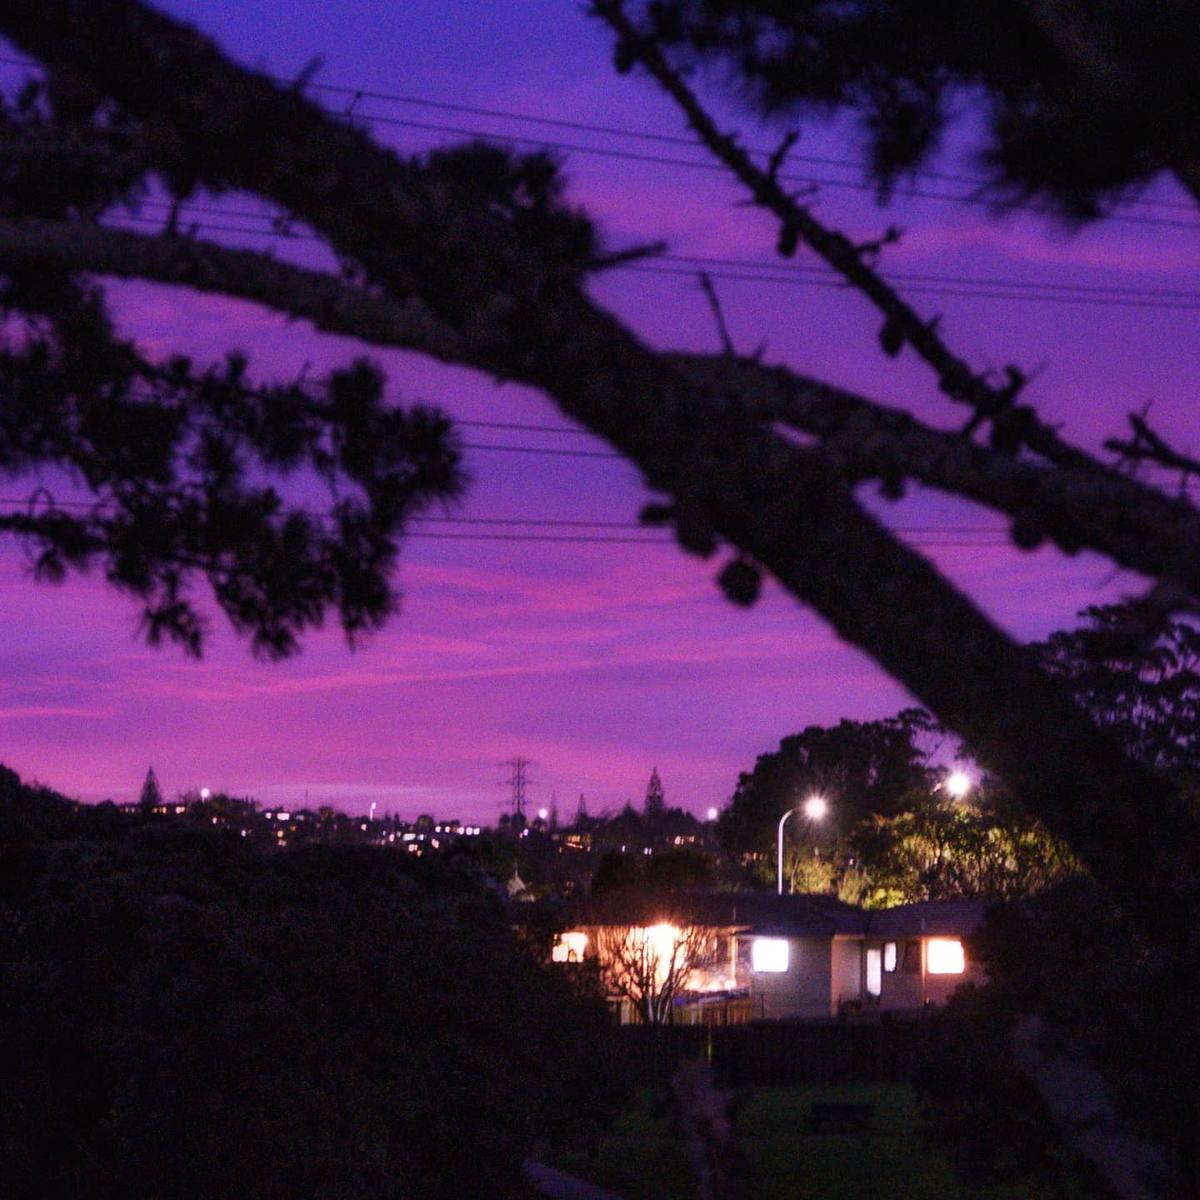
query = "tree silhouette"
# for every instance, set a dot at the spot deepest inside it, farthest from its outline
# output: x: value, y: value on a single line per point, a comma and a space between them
x: 151, y: 794
x: 1080, y: 103
x: 652, y: 965
x: 472, y: 257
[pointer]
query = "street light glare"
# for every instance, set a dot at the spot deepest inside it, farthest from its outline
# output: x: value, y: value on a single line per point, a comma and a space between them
x: 958, y: 784
x: 713, y: 814
x: 205, y: 793
x: 815, y: 807
x: 543, y: 813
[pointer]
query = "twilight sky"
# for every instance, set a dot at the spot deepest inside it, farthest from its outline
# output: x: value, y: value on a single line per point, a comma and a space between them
x: 597, y: 661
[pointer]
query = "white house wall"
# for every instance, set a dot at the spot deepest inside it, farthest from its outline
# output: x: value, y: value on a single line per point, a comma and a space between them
x: 803, y: 990
x: 847, y: 968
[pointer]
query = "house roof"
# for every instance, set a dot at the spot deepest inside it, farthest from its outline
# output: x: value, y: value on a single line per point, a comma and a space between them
x: 929, y: 918
x: 798, y: 915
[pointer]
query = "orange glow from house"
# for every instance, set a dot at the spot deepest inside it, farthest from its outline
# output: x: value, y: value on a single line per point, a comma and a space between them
x: 569, y: 946
x: 944, y: 956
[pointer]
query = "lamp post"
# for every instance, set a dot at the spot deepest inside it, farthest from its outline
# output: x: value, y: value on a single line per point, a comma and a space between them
x: 815, y: 807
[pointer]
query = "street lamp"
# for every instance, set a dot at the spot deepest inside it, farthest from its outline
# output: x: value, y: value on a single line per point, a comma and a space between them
x: 815, y: 807
x: 958, y: 784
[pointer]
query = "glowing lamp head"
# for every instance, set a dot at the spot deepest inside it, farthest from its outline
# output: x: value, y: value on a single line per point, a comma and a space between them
x: 713, y: 814
x: 958, y: 784
x: 205, y: 793
x: 816, y: 807
x: 543, y: 813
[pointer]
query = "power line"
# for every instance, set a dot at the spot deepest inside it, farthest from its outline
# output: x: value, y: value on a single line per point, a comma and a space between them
x: 969, y: 293
x: 661, y: 139
x: 780, y: 268
x: 960, y: 293
x: 549, y: 522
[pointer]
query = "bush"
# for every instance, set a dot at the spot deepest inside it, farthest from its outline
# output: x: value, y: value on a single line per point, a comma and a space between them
x: 185, y: 1018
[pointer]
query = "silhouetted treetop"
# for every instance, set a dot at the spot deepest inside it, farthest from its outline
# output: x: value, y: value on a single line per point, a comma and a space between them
x: 1077, y: 102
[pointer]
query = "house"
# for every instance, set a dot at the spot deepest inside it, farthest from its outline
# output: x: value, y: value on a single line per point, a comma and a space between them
x: 763, y: 956
x: 890, y: 960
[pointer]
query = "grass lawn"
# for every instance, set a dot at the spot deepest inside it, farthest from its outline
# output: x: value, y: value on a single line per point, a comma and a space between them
x: 891, y: 1161
x: 640, y: 1160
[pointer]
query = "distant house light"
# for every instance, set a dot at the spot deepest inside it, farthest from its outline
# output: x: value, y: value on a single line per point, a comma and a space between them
x: 944, y: 956
x: 889, y: 957
x: 874, y: 972
x: 283, y: 816
x: 769, y: 956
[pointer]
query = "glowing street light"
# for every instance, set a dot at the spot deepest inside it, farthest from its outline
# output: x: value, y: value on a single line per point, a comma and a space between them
x: 815, y: 807
x: 543, y: 813
x: 713, y: 814
x: 205, y: 793
x: 958, y: 784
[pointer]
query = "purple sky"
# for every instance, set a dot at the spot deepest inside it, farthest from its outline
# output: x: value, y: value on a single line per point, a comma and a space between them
x: 596, y: 661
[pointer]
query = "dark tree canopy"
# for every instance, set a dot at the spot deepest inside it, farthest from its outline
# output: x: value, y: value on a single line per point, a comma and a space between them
x: 185, y: 1017
x: 1147, y: 694
x: 287, y: 499
x: 151, y: 794
x: 1080, y: 102
x: 863, y: 768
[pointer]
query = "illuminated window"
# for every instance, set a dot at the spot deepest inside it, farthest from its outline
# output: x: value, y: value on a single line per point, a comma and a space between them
x: 569, y: 947
x: 889, y: 957
x: 874, y: 972
x: 769, y: 956
x: 944, y: 956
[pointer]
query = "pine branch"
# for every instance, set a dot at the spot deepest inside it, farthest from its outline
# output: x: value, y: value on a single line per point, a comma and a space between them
x: 1013, y: 425
x: 1136, y: 526
x: 1129, y: 522
x: 1147, y: 445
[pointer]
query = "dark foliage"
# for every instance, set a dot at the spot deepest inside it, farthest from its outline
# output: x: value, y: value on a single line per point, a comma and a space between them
x: 289, y: 500
x: 865, y: 767
x: 1080, y: 102
x: 1106, y: 1002
x: 1144, y: 691
x: 186, y: 1018
x: 667, y: 871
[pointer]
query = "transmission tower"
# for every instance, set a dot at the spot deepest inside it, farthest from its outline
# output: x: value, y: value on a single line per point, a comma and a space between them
x: 518, y: 778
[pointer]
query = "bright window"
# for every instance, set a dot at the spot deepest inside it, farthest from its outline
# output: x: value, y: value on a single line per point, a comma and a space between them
x: 769, y: 956
x: 944, y: 956
x: 874, y: 972
x: 889, y: 957
x: 569, y: 947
